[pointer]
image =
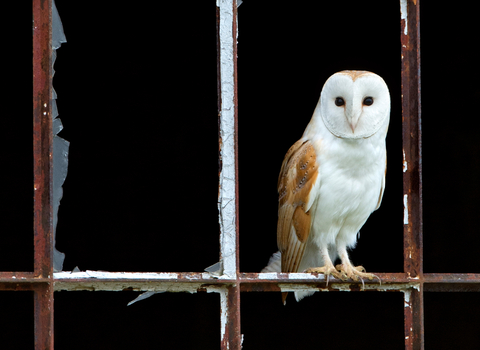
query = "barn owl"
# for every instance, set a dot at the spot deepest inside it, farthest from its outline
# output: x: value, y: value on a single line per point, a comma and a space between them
x: 333, y: 178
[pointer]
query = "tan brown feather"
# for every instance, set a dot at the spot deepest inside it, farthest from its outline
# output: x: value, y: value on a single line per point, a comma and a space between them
x: 298, y: 175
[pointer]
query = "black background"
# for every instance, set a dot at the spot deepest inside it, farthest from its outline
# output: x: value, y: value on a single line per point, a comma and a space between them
x: 136, y: 88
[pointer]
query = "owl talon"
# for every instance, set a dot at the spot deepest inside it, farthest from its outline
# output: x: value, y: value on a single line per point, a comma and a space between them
x: 360, y: 268
x: 356, y: 273
x: 326, y: 270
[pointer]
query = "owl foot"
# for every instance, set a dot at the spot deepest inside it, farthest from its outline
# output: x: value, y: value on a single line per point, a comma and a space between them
x: 356, y: 273
x: 327, y: 270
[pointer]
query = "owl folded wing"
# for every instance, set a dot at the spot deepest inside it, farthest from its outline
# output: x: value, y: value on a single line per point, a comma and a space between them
x: 298, y: 184
x: 382, y: 188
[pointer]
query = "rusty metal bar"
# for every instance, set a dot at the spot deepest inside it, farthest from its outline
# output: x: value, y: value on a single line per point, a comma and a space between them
x: 42, y: 137
x: 43, y: 306
x: 228, y: 158
x: 452, y: 282
x: 412, y: 170
x: 192, y: 281
x: 228, y: 183
x: 101, y: 280
x: 413, y: 314
x: 235, y: 101
x: 451, y: 278
x: 230, y: 317
x: 283, y: 277
x: 7, y: 276
x: 16, y: 287
x: 42, y: 166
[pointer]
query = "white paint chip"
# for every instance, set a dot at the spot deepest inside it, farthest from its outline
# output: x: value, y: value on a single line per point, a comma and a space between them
x: 223, y: 313
x: 407, y: 294
x: 404, y: 14
x: 405, y: 209
x: 268, y: 275
x: 302, y: 275
x: 405, y: 165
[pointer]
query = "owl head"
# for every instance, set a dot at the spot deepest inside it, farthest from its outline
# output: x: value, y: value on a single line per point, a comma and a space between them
x: 354, y: 104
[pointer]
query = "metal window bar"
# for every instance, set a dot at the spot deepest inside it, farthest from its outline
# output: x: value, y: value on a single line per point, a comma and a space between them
x: 412, y: 282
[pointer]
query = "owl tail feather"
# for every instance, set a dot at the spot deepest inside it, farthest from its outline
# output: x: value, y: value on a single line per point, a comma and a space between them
x: 275, y: 265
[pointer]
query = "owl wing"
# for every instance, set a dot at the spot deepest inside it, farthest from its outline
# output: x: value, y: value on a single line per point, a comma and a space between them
x: 380, y: 197
x: 298, y: 184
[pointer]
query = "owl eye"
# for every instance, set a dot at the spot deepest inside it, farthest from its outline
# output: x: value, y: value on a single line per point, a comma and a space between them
x: 368, y: 101
x: 339, y: 101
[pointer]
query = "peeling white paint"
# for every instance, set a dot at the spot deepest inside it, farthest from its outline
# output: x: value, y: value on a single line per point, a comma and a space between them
x: 301, y: 276
x: 404, y: 14
x: 226, y: 198
x: 342, y: 287
x: 292, y: 276
x: 297, y: 288
x: 223, y: 313
x: 135, y: 281
x: 268, y: 276
x: 407, y: 293
x: 405, y: 209
x: 128, y: 275
x: 405, y: 165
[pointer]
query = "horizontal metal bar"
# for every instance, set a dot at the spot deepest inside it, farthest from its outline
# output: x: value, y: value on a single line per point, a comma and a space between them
x: 451, y: 278
x: 16, y: 277
x: 273, y: 277
x: 17, y: 287
x: 175, y: 282
x: 452, y: 282
x: 331, y: 287
x: 138, y: 281
x: 286, y: 282
x: 451, y: 287
x: 194, y: 281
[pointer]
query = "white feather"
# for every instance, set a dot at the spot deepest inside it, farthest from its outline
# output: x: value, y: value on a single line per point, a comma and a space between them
x: 274, y: 264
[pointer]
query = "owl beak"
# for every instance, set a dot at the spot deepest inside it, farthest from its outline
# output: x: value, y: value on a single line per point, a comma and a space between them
x: 354, y: 121
x: 352, y: 114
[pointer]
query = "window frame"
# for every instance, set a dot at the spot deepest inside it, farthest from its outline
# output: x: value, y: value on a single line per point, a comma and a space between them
x: 229, y: 281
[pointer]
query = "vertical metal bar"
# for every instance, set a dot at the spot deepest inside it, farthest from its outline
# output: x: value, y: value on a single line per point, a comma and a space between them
x: 42, y: 137
x: 230, y: 319
x: 412, y: 169
x: 228, y: 159
x: 413, y: 314
x: 43, y: 308
x: 42, y: 159
x: 227, y: 197
x: 235, y: 101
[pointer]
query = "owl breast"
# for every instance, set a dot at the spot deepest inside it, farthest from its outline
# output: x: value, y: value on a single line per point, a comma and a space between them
x: 351, y: 176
